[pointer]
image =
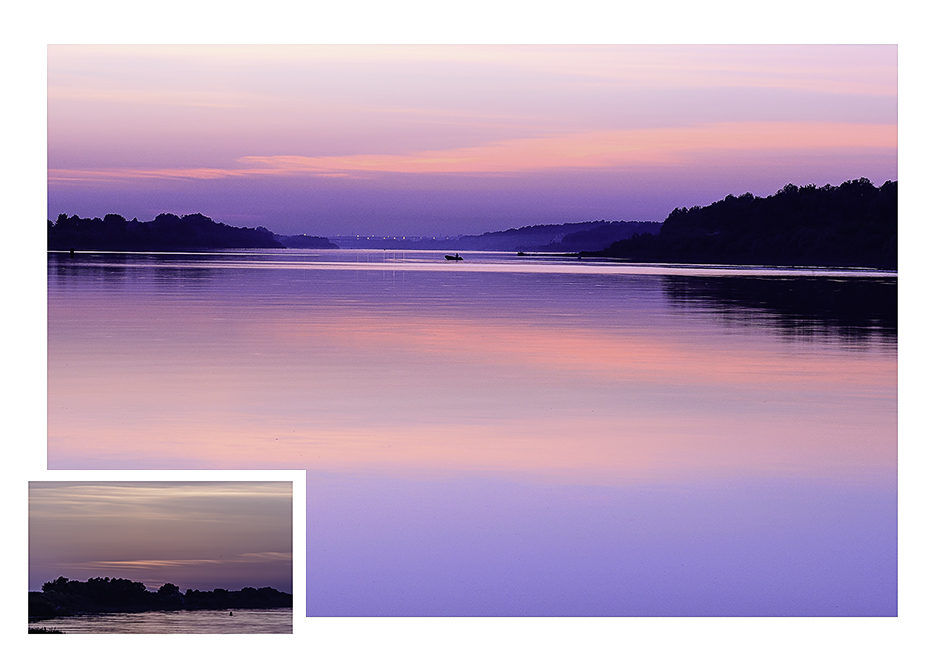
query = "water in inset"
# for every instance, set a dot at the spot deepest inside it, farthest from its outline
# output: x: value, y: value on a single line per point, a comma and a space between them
x: 250, y: 620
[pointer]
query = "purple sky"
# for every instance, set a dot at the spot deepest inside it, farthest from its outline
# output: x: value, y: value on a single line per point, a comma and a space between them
x: 440, y: 140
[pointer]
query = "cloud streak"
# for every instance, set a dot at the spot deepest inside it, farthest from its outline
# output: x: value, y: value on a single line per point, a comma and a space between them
x: 590, y: 150
x: 153, y: 564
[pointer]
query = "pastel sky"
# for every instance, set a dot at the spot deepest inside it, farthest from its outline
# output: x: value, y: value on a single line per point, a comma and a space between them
x: 197, y: 535
x: 445, y: 140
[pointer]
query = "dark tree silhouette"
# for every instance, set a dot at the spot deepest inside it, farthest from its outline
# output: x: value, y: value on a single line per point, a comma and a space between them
x: 166, y: 232
x: 854, y: 224
x: 169, y: 589
x: 119, y: 595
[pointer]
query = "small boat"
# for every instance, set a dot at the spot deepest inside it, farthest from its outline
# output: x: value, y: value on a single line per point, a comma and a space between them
x: 454, y: 258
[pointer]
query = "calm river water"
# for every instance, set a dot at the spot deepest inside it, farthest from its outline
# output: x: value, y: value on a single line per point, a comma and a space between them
x: 506, y: 435
x: 250, y: 620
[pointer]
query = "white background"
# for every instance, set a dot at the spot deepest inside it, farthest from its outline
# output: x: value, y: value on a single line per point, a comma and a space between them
x: 26, y: 31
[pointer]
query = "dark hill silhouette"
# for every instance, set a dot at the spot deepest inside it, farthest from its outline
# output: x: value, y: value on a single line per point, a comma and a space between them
x: 119, y: 595
x: 567, y: 237
x: 560, y: 238
x: 854, y: 224
x: 305, y: 241
x: 166, y: 232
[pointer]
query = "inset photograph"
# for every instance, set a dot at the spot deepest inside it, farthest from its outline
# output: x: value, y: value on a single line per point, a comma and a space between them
x: 160, y: 557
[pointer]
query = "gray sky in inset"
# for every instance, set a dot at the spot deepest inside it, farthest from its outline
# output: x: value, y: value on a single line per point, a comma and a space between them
x: 199, y: 535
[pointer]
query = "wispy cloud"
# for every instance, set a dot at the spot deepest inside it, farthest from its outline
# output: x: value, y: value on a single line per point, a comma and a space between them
x: 846, y: 69
x: 149, y: 564
x: 598, y: 149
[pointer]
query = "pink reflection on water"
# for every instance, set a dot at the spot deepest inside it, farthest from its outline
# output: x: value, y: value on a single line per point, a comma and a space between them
x: 336, y: 387
x: 502, y: 443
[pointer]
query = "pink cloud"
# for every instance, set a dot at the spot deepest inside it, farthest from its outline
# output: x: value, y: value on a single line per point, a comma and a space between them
x: 688, y: 145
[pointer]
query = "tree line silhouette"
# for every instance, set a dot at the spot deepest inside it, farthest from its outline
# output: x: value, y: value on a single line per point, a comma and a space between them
x: 854, y: 224
x: 166, y: 232
x: 120, y: 595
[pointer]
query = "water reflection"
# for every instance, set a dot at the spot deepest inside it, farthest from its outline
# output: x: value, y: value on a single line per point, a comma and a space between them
x: 551, y: 372
x: 489, y: 545
x: 430, y: 402
x: 855, y: 309
x: 856, y: 305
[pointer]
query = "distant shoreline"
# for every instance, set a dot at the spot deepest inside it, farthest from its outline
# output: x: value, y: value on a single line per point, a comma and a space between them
x: 851, y: 225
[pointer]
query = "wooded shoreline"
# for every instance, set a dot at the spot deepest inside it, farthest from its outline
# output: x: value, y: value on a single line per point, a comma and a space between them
x: 62, y: 597
x: 851, y: 225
